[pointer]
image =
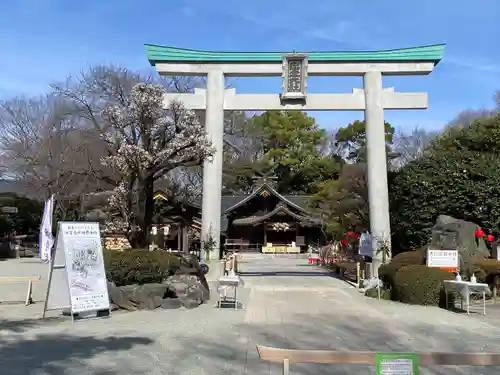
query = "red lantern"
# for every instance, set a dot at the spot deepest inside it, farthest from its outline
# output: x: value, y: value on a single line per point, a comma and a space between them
x: 490, y: 238
x: 356, y: 235
x: 349, y: 234
x: 479, y: 233
x: 344, y: 242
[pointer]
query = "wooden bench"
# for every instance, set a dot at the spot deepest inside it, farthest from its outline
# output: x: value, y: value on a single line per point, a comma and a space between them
x: 286, y: 357
x: 237, y: 244
x: 241, y: 245
x: 22, y: 279
x: 233, y: 242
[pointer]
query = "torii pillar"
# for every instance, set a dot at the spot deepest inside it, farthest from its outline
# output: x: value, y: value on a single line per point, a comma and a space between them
x: 212, y: 169
x: 373, y: 99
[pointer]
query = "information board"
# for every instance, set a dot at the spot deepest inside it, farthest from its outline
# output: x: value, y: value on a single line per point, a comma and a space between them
x: 443, y: 259
x: 77, y: 278
x: 397, y: 364
x: 365, y: 245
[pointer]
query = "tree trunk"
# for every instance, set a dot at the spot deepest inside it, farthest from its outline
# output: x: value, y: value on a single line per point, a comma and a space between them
x: 145, y: 211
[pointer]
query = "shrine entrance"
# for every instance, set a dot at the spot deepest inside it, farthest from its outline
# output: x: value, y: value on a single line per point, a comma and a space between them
x: 295, y: 68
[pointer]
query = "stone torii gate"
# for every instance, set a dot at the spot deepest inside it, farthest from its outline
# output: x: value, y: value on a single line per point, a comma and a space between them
x: 373, y: 99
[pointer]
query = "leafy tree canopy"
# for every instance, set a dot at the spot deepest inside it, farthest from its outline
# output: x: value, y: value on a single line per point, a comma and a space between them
x: 343, y: 203
x: 351, y: 141
x: 456, y: 176
x: 292, y: 147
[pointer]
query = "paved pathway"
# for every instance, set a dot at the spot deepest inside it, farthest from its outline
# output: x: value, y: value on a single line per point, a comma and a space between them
x: 318, y: 311
x: 287, y: 304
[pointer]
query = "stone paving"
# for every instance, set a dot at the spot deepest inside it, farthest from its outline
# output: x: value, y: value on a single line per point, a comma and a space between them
x: 287, y: 304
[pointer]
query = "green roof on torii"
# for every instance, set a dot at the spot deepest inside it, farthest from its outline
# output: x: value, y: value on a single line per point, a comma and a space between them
x: 158, y: 54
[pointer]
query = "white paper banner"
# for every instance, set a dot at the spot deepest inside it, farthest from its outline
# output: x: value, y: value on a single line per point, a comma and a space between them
x: 46, y: 239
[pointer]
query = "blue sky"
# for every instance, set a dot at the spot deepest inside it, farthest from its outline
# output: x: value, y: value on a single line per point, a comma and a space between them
x: 47, y: 40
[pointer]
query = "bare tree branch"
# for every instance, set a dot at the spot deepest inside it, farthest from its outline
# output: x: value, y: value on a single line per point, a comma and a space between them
x: 410, y: 146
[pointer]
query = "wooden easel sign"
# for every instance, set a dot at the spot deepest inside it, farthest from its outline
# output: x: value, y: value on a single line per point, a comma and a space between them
x: 77, y: 278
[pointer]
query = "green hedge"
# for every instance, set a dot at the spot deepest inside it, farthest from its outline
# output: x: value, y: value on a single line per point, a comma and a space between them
x: 385, y: 294
x: 139, y: 266
x: 420, y: 285
x: 487, y: 270
x: 346, y: 270
x: 342, y: 267
x: 387, y: 272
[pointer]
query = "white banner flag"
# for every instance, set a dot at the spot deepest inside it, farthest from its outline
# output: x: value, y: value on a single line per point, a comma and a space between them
x: 46, y: 239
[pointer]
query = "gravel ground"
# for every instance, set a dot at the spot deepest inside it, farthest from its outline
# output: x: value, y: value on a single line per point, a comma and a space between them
x: 286, y: 304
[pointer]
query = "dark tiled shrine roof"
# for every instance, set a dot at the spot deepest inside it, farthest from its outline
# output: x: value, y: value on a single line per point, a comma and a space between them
x: 280, y: 209
x: 299, y: 205
x: 231, y: 202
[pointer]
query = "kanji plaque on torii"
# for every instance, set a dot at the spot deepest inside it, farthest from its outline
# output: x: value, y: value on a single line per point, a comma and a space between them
x: 294, y: 77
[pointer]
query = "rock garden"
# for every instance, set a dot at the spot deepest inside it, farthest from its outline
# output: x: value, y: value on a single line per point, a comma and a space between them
x: 144, y: 279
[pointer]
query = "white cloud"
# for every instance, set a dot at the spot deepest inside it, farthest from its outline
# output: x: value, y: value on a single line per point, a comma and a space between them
x: 475, y: 63
x: 285, y: 19
x: 326, y: 24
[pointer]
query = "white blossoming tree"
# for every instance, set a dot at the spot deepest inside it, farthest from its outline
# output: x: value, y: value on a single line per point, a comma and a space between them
x: 145, y: 141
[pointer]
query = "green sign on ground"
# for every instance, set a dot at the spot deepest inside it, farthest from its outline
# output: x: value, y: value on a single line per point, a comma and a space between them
x: 397, y: 364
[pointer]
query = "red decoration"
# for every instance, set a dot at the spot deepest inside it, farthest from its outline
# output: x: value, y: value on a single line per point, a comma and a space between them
x: 349, y: 234
x: 356, y: 235
x: 479, y: 233
x: 344, y: 242
x: 115, y: 239
x: 490, y: 238
x: 265, y: 194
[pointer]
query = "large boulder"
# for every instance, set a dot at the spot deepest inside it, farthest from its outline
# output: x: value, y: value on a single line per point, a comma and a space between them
x: 189, y: 283
x: 453, y: 234
x: 188, y: 288
x: 133, y: 297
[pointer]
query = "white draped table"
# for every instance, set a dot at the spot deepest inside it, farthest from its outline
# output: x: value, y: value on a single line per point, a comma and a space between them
x: 229, y: 282
x: 465, y: 289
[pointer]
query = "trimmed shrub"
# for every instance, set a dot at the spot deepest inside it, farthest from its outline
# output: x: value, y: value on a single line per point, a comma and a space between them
x: 420, y: 285
x: 385, y: 293
x: 333, y: 267
x: 342, y: 267
x: 488, y: 271
x: 139, y: 266
x: 346, y: 270
x: 387, y: 272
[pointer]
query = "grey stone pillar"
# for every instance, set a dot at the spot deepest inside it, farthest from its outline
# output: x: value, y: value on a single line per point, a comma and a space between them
x: 378, y: 193
x: 212, y: 169
x: 185, y: 239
